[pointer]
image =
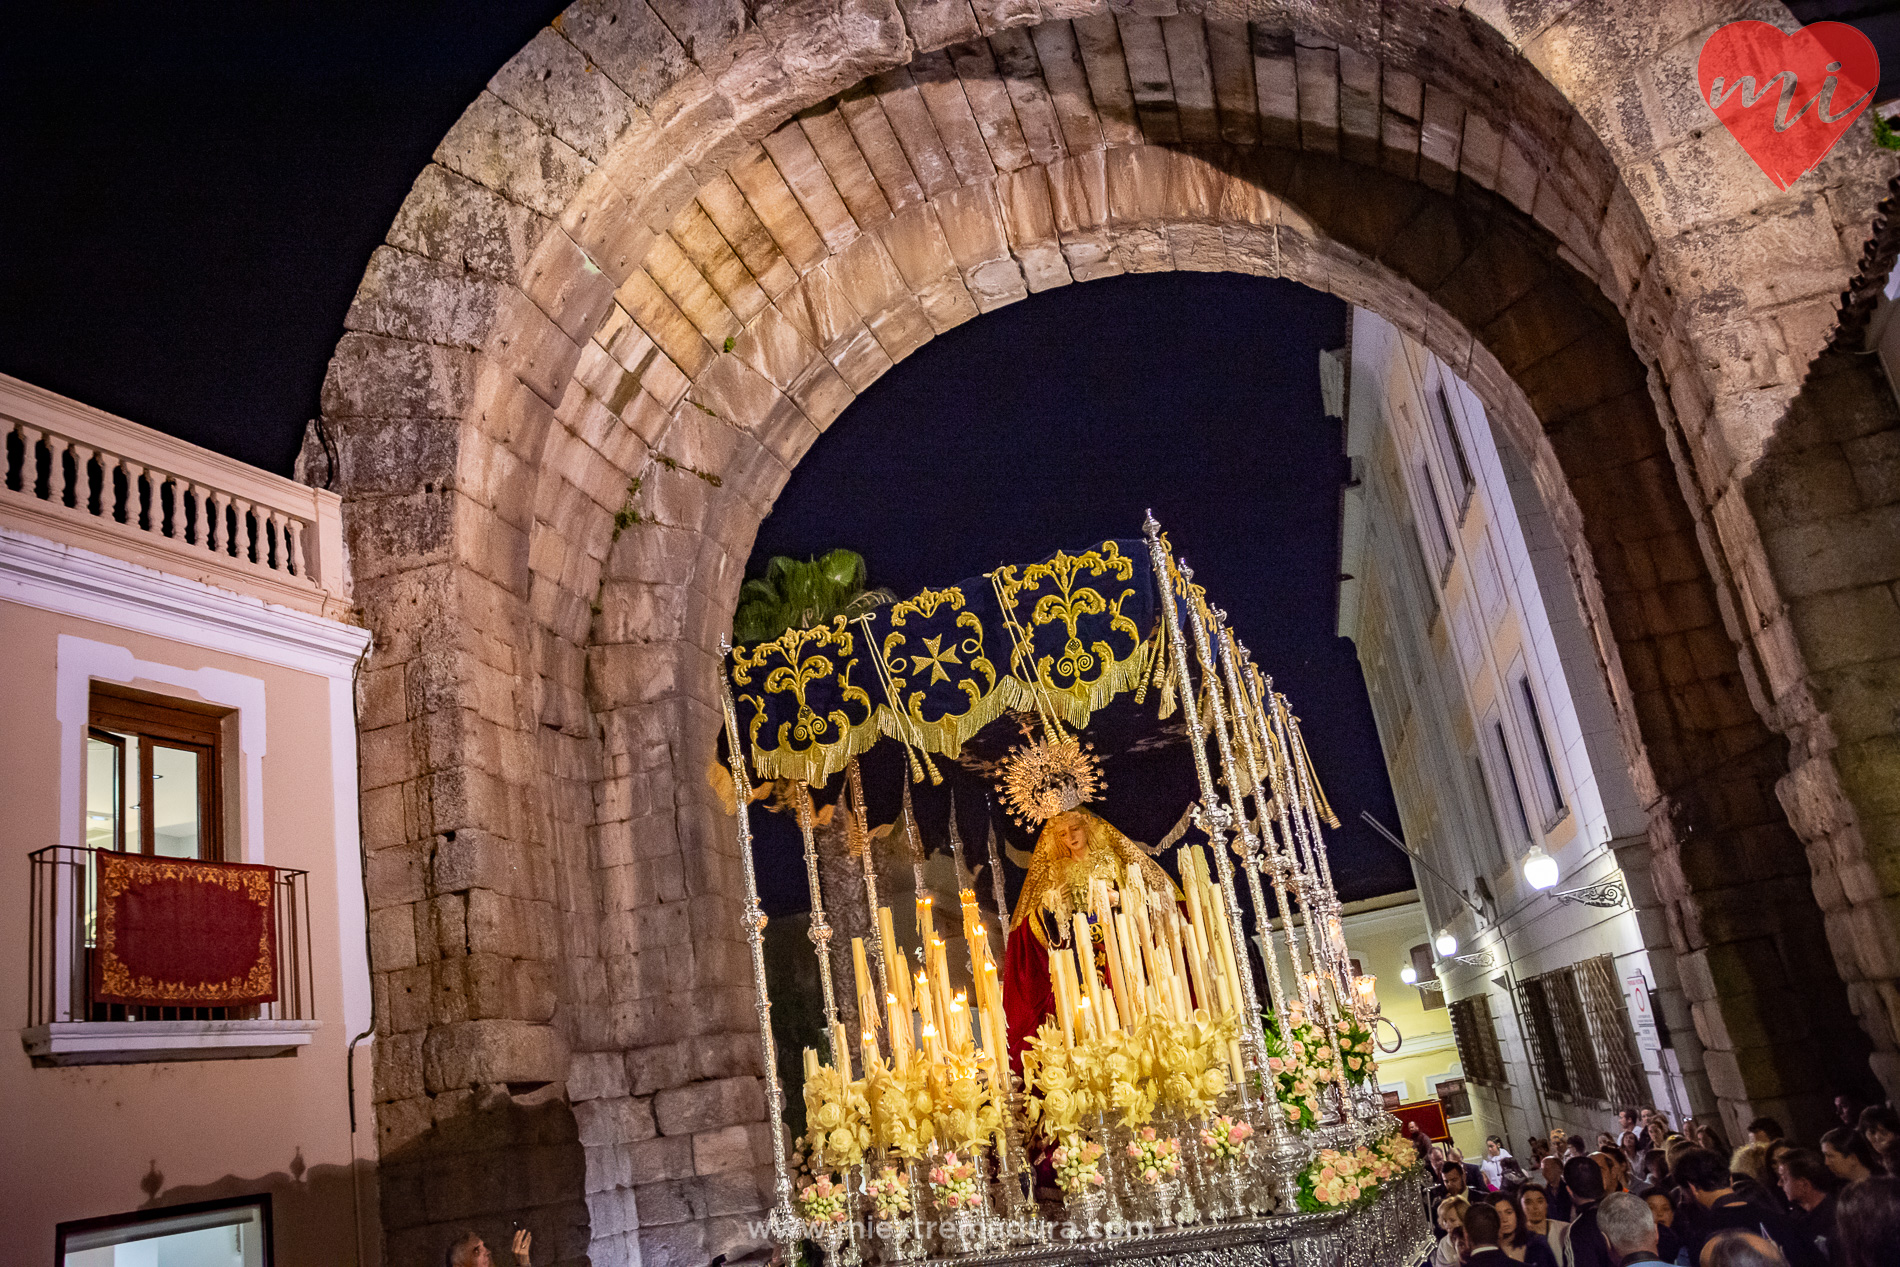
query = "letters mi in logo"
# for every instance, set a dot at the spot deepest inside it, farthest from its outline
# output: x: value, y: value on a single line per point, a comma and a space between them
x: 1787, y: 97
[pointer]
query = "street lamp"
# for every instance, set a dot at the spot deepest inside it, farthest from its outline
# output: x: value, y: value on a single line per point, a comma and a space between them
x: 1408, y: 974
x: 1445, y: 943
x: 1540, y: 869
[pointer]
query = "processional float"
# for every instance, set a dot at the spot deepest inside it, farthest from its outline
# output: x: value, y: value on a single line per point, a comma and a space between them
x: 1120, y: 1074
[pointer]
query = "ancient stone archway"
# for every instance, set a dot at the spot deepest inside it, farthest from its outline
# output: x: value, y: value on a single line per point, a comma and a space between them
x: 633, y: 290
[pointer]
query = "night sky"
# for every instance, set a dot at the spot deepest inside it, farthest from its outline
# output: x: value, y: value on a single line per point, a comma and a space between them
x: 188, y: 197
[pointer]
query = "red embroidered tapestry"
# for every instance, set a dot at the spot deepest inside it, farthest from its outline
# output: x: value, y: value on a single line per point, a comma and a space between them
x: 178, y: 933
x: 1430, y: 1116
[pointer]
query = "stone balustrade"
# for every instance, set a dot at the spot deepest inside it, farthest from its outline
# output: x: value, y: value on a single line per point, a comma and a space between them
x: 86, y: 478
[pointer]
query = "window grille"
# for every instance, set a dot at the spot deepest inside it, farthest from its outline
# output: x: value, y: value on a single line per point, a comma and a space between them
x: 1580, y: 1037
x: 1608, y: 1011
x: 1552, y: 1073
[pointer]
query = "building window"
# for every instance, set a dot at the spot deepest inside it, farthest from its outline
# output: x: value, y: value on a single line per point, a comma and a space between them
x: 1579, y: 1028
x: 154, y: 777
x: 1476, y: 1034
x: 1451, y: 445
x: 1550, y: 791
x: 1489, y: 815
x: 235, y: 1232
x: 1501, y: 753
x: 1428, y: 489
x: 1453, y: 1096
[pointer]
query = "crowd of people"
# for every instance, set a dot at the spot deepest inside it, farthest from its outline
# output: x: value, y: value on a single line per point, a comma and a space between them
x: 1655, y: 1194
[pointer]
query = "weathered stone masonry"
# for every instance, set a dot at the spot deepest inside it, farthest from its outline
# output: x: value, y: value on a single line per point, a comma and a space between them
x: 556, y: 466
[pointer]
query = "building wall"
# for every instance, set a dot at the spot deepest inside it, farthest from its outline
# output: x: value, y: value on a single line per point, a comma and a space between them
x: 109, y: 1139
x: 1450, y: 622
x: 1380, y: 934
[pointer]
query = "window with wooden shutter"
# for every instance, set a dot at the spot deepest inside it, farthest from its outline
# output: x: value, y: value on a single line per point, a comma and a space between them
x: 1553, y: 1074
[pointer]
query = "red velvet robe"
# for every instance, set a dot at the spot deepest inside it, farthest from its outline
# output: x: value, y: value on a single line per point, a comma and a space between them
x: 1028, y: 998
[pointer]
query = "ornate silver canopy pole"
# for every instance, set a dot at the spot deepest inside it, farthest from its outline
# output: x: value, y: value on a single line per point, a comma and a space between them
x: 855, y: 782
x: 1267, y: 799
x: 1251, y: 847
x: 1285, y: 1154
x: 783, y: 1225
x: 820, y: 927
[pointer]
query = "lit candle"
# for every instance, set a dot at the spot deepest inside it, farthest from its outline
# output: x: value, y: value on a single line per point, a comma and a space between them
x: 926, y: 925
x: 1059, y: 986
x: 867, y: 997
x: 1087, y: 1015
x: 841, y: 1050
x: 1085, y: 953
x: 901, y: 1037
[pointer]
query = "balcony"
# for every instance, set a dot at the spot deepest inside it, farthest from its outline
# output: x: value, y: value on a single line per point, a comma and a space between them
x: 169, y: 938
x: 82, y: 477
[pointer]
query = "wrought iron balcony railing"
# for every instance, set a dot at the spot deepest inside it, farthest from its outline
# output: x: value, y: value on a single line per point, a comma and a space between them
x: 71, y: 1019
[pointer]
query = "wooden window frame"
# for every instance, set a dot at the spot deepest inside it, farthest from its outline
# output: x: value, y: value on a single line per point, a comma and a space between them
x: 161, y: 721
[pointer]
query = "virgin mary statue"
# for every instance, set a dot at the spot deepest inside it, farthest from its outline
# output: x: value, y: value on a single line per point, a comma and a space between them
x: 1076, y: 851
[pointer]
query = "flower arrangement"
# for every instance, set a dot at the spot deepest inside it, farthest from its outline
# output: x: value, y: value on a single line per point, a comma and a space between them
x: 1398, y: 1154
x: 1155, y: 1159
x: 1225, y: 1139
x: 1300, y: 1062
x: 955, y: 1184
x: 837, y: 1118
x: 903, y: 1108
x: 1078, y: 1163
x: 1339, y: 1178
x: 1355, y: 1050
x: 1159, y: 1061
x: 889, y: 1193
x: 823, y: 1201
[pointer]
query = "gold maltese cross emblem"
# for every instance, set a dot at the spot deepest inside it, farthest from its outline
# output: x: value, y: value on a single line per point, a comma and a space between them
x: 939, y: 656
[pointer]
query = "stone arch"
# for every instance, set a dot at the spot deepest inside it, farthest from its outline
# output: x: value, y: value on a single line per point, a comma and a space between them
x: 555, y: 462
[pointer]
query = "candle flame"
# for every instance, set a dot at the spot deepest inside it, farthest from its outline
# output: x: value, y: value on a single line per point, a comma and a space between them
x: 930, y: 1031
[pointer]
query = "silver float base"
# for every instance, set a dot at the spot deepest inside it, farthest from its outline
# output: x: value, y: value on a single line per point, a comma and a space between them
x: 1392, y: 1232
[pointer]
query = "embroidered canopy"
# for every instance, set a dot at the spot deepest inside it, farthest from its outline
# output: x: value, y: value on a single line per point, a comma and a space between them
x: 1068, y: 633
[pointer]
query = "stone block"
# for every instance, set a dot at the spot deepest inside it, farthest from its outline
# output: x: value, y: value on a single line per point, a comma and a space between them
x: 660, y: 1159
x: 703, y: 1106
x: 608, y: 1122
x: 460, y: 222
x: 497, y: 146
x: 485, y: 1051
x: 718, y: 1151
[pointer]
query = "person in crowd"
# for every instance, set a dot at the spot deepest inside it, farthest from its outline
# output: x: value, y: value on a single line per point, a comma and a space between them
x: 1612, y: 1167
x: 1450, y: 1219
x: 1848, y: 1109
x: 1539, y: 1149
x: 1418, y: 1139
x: 1481, y: 1238
x: 1662, y: 1207
x: 1655, y: 1169
x: 1631, y: 1122
x: 1515, y: 1237
x: 1764, y: 1130
x: 1630, y: 1230
x: 1706, y: 1176
x: 1535, y: 1202
x: 1451, y: 1183
x: 1808, y: 1185
x: 1554, y: 1191
x: 1748, y: 1169
x: 1474, y: 1177
x: 470, y: 1250
x: 1738, y: 1248
x: 1868, y: 1222
x: 1576, y: 1146
x: 1880, y: 1125
x: 1587, y: 1246
x: 1846, y: 1153
x: 1495, y: 1157
x: 1708, y: 1137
